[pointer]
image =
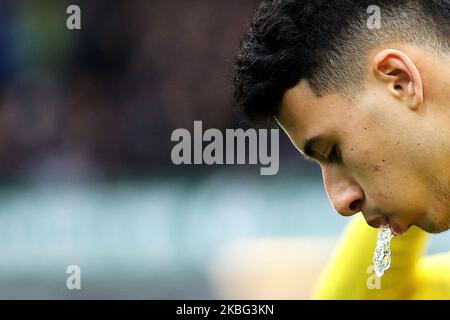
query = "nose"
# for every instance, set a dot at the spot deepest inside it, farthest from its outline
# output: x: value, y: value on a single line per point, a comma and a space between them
x: 345, y: 194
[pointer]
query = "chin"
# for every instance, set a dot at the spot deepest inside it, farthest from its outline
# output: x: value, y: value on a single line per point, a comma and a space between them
x: 433, y: 227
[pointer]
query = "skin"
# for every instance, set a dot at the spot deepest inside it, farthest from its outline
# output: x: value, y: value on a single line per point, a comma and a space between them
x: 391, y: 139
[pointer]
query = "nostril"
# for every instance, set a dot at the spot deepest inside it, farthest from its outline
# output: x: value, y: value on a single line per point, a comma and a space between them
x: 355, y: 205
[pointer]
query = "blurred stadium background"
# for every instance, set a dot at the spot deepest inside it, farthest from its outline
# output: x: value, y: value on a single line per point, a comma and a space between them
x: 86, y: 175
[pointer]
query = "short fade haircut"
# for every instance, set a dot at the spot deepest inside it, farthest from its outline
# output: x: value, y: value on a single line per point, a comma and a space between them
x: 325, y: 42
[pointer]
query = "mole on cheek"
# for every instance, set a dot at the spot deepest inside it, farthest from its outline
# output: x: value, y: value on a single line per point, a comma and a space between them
x: 376, y: 168
x: 381, y: 195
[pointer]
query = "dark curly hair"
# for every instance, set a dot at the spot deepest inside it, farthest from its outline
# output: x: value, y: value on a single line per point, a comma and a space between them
x: 324, y: 42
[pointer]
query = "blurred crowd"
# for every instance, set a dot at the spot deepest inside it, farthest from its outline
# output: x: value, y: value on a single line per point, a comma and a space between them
x: 103, y: 100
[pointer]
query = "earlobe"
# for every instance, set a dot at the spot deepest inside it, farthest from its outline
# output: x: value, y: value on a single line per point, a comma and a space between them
x: 400, y: 75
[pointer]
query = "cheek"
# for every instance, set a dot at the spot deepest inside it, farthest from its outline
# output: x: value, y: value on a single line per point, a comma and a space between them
x: 386, y: 182
x: 377, y: 174
x: 361, y: 161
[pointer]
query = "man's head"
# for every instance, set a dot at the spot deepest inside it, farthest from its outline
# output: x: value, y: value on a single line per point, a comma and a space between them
x: 372, y: 106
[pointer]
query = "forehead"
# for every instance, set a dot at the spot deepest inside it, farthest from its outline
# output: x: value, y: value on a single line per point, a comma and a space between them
x: 295, y: 105
x: 303, y: 114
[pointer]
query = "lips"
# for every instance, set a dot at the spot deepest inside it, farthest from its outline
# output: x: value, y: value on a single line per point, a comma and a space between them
x: 376, y: 223
x: 396, y: 228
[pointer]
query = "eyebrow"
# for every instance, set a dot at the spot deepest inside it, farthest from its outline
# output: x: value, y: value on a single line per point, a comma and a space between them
x: 308, y: 151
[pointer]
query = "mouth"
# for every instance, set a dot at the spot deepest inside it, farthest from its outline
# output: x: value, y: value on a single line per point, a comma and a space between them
x: 376, y: 223
x: 397, y: 228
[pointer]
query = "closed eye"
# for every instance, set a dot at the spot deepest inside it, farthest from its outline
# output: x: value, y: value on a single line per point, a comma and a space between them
x: 335, y: 155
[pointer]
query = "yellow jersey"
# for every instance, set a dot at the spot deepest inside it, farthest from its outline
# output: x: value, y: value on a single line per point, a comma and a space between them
x: 350, y: 273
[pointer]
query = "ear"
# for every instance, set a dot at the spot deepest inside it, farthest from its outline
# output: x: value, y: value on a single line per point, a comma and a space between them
x: 401, y: 76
